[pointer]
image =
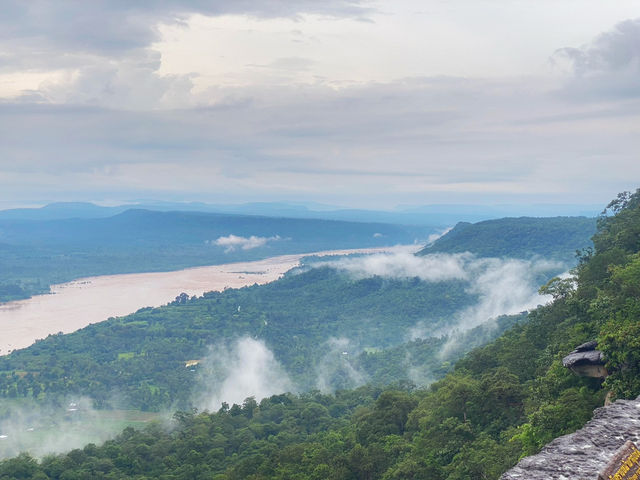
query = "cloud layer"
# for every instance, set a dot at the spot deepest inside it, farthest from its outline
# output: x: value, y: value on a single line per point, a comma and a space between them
x: 279, y: 100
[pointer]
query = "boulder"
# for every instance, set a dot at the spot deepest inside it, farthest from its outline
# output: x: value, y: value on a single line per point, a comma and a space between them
x: 586, y: 361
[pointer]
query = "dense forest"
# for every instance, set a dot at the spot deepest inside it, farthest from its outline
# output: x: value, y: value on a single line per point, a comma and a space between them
x: 501, y: 401
x: 524, y: 237
x: 143, y: 356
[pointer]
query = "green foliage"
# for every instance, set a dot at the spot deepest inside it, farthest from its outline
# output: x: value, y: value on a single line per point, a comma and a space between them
x: 524, y: 237
x: 502, y: 401
x: 143, y: 356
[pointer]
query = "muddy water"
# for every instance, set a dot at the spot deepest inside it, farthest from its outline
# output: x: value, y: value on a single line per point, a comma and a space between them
x: 76, y: 304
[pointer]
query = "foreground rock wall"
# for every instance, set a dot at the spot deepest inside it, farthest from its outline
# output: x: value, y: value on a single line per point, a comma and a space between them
x: 583, y: 454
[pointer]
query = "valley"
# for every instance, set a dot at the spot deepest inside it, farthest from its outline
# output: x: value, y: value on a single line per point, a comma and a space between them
x: 73, y: 305
x: 319, y: 240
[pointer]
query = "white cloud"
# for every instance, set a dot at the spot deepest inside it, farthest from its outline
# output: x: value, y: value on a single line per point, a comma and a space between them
x: 435, y: 236
x: 233, y: 242
x: 502, y: 286
x: 430, y: 268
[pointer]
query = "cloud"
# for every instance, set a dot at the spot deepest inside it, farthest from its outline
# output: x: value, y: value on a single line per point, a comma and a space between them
x: 417, y: 141
x: 429, y: 268
x: 106, y: 52
x: 609, y: 66
x: 108, y: 27
x: 233, y: 242
x: 502, y: 286
x: 232, y: 373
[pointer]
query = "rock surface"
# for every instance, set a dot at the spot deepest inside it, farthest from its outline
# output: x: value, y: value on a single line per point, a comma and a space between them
x: 586, y: 361
x: 583, y: 454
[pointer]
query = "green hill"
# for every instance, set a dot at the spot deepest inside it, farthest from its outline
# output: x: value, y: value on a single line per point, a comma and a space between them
x: 37, y: 253
x: 503, y: 400
x: 143, y: 355
x: 524, y: 237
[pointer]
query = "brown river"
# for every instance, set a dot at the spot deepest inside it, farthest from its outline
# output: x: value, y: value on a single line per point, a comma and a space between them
x: 76, y: 304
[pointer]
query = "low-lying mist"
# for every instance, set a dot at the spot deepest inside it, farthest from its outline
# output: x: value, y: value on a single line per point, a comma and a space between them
x: 231, y: 373
x: 57, y: 427
x: 334, y: 370
x: 503, y: 286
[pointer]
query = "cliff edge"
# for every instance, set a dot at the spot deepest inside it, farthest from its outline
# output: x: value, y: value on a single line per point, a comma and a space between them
x: 583, y: 454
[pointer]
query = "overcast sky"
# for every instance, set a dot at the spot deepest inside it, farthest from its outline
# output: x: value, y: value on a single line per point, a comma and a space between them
x: 346, y: 102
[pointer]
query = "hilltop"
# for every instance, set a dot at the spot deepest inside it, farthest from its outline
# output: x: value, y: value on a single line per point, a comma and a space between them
x: 523, y: 237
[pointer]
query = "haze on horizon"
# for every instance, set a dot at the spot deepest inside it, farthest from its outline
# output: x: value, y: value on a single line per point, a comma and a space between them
x: 344, y: 102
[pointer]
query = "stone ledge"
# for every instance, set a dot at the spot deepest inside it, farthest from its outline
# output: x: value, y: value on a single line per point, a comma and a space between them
x: 583, y: 454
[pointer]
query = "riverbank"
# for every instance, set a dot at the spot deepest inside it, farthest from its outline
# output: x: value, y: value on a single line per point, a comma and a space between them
x: 74, y: 305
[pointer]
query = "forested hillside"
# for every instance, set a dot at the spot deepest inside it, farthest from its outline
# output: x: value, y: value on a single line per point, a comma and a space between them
x: 306, y: 319
x: 524, y: 237
x: 37, y: 253
x: 502, y: 401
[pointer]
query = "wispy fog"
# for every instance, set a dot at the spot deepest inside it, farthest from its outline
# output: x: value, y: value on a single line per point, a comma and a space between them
x: 233, y: 242
x: 335, y: 371
x: 503, y: 286
x: 244, y: 368
x: 403, y: 264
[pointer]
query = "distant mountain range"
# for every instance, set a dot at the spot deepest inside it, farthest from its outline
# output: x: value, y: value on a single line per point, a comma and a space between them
x: 432, y: 215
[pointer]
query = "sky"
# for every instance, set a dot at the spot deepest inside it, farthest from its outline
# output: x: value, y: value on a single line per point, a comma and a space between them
x: 356, y: 103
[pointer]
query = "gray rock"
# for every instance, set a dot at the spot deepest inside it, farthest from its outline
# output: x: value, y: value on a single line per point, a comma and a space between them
x: 591, y: 357
x: 586, y: 361
x: 585, y: 347
x: 583, y: 454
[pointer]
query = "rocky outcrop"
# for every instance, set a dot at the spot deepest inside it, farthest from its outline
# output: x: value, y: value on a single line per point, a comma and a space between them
x: 585, y: 453
x: 586, y: 361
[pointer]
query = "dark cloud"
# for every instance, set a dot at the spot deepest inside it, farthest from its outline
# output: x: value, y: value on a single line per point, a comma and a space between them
x: 607, y: 67
x: 109, y: 27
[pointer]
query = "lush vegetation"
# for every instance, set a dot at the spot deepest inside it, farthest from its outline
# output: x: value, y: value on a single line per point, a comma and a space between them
x: 524, y: 237
x: 502, y: 401
x: 37, y: 253
x: 143, y: 356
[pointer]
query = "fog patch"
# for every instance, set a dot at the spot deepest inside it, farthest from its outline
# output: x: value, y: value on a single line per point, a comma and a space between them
x: 421, y: 375
x: 335, y: 370
x: 234, y: 242
x: 502, y: 286
x: 232, y: 373
x: 53, y: 428
x: 438, y: 267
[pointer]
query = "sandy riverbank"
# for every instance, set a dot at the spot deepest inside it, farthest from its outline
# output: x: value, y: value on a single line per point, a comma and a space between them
x: 76, y: 304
